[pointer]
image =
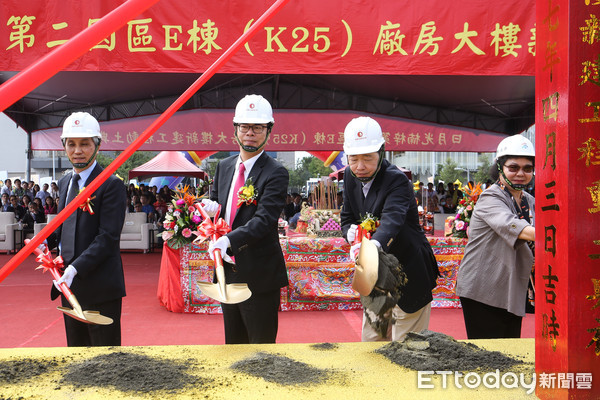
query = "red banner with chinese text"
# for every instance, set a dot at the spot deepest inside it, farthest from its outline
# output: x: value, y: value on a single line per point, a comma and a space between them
x: 205, y: 130
x: 429, y: 37
x: 567, y: 264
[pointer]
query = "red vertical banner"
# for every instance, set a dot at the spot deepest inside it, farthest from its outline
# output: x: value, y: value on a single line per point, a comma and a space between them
x: 568, y: 199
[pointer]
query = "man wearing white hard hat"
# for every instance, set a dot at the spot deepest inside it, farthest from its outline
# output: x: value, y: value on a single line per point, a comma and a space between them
x: 89, y: 239
x: 494, y: 273
x: 374, y: 187
x: 253, y: 218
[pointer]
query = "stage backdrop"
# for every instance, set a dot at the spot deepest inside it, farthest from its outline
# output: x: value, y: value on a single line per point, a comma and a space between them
x: 294, y: 130
x: 428, y: 37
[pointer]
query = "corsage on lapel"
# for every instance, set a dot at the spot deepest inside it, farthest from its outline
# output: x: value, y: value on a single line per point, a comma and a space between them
x: 87, y: 204
x: 246, y: 194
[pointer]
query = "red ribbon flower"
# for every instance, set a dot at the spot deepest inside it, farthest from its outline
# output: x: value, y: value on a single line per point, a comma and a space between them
x: 48, y: 263
x: 208, y: 228
x: 87, y: 205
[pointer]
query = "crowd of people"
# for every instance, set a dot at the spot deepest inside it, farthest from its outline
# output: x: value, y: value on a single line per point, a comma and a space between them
x: 443, y: 199
x: 30, y: 203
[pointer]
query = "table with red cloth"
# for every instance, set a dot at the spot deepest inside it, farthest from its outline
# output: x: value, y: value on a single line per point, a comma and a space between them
x: 319, y: 271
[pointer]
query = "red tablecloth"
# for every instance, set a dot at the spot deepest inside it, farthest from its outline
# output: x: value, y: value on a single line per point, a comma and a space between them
x: 319, y: 271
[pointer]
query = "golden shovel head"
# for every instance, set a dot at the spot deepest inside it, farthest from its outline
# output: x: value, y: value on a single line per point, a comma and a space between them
x: 89, y: 317
x: 367, y: 265
x: 231, y: 293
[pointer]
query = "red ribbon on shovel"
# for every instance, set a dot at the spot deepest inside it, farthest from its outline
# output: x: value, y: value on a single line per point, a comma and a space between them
x: 232, y: 293
x: 55, y: 266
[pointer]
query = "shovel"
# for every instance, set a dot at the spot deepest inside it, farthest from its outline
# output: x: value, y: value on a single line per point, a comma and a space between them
x: 366, y: 264
x: 231, y: 293
x: 89, y: 317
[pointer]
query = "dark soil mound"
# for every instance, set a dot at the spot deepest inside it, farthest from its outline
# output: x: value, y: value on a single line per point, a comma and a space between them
x: 281, y: 370
x: 432, y: 351
x: 13, y: 371
x: 130, y: 372
x: 324, y: 346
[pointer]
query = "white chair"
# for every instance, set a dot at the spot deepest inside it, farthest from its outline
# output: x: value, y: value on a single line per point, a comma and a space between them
x: 136, y: 232
x: 8, y: 226
x: 37, y: 227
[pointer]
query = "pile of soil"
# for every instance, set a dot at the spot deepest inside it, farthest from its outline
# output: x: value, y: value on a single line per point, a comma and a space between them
x: 324, y: 346
x: 282, y: 370
x: 13, y: 371
x: 433, y: 351
x: 129, y: 372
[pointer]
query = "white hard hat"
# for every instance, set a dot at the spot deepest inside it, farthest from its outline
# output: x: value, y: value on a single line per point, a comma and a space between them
x: 516, y: 145
x: 362, y: 136
x: 80, y: 125
x: 253, y: 109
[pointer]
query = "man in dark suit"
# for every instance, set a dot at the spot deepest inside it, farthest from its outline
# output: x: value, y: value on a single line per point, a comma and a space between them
x: 15, y: 207
x: 89, y: 244
x: 254, y: 240
x: 375, y: 186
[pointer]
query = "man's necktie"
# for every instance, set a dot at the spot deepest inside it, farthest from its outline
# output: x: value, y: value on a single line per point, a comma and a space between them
x: 67, y: 239
x: 239, y: 182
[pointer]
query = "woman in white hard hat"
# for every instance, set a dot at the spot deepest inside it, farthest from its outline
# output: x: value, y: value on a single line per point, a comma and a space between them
x: 90, y: 242
x: 376, y: 187
x: 494, y: 273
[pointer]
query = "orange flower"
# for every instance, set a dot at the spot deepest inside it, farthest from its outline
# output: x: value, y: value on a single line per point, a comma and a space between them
x: 473, y: 192
x: 186, y: 196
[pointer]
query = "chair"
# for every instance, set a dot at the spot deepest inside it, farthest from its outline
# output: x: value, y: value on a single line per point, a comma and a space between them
x: 8, y: 226
x: 136, y: 232
x: 37, y: 227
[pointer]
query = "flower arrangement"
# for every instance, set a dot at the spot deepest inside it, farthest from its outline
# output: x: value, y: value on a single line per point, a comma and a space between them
x: 369, y: 223
x: 182, y: 219
x: 246, y: 194
x: 464, y: 211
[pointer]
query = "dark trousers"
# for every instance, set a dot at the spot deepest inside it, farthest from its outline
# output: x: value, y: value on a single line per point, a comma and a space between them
x: 82, y: 334
x: 254, y: 320
x: 486, y: 322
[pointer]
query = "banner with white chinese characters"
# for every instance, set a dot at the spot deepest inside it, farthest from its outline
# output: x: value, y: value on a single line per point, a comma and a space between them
x: 212, y: 129
x: 428, y: 37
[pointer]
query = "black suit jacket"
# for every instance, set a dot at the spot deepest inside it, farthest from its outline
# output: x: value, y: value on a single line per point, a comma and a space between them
x: 254, y: 237
x: 391, y: 199
x: 97, y: 242
x: 18, y: 210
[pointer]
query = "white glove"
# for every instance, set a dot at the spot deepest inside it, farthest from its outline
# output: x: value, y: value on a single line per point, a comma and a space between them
x: 43, y: 247
x: 210, y: 207
x: 352, y: 233
x: 222, y: 244
x: 354, y: 250
x: 67, y: 277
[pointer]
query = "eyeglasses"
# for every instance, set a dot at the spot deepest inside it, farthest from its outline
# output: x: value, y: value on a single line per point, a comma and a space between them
x: 514, y: 168
x: 257, y: 129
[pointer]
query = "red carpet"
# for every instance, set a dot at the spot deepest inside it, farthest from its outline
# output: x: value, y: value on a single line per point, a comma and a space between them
x: 30, y: 319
